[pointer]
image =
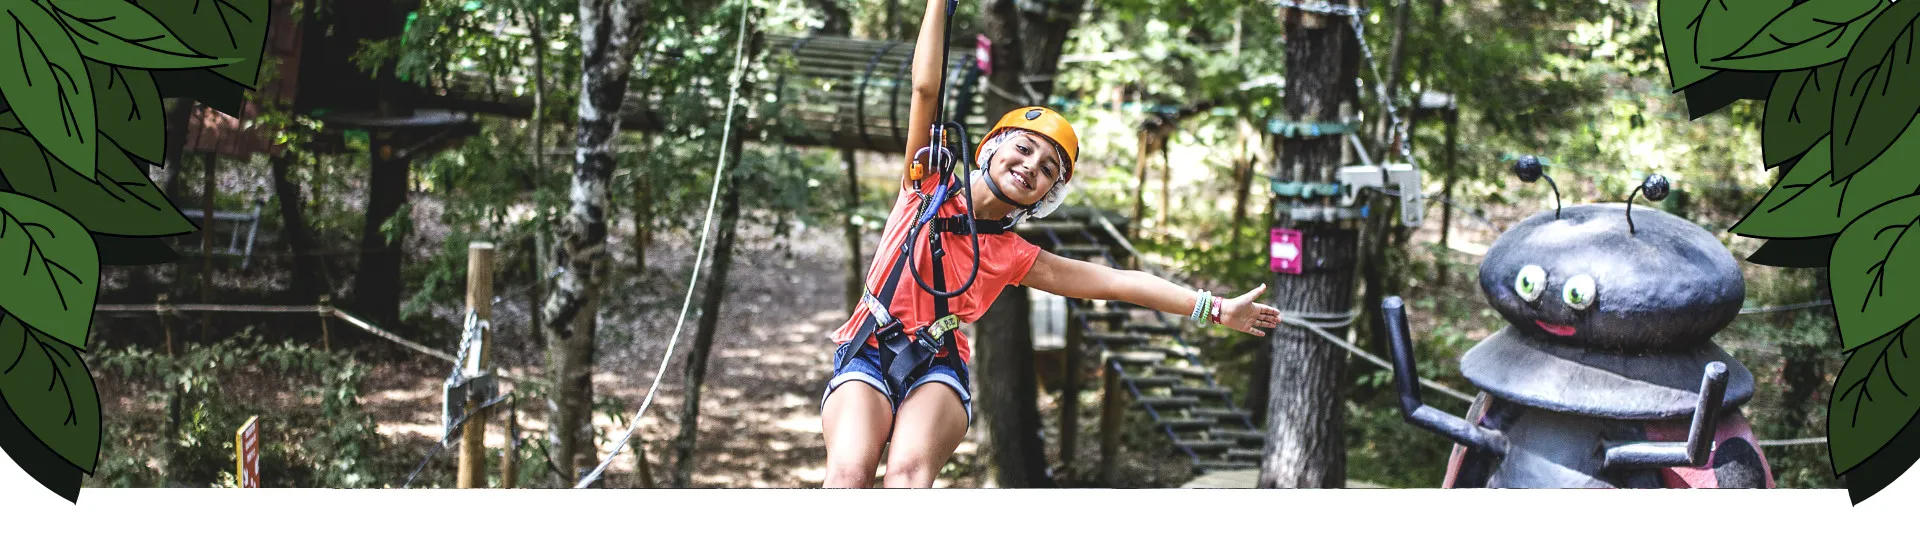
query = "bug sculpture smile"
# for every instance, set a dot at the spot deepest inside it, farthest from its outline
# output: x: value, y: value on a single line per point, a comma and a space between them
x: 1608, y: 375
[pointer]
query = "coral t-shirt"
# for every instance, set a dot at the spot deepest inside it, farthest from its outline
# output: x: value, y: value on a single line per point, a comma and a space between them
x: 1004, y: 261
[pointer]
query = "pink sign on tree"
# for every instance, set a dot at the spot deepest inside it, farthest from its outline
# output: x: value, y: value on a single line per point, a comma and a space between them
x: 1286, y: 251
x: 983, y: 52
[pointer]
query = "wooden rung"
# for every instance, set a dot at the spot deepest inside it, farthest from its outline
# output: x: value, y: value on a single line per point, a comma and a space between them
x: 1115, y: 339
x: 1104, y: 316
x: 1148, y: 382
x: 1205, y: 445
x: 1189, y: 423
x: 1137, y: 357
x: 1237, y: 454
x: 1201, y: 391
x: 1188, y: 371
x: 1168, y: 401
x: 1204, y: 466
x: 1217, y: 413
x: 1254, y: 436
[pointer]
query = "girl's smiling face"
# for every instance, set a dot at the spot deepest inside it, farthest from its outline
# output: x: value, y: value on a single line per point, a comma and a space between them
x: 1026, y: 167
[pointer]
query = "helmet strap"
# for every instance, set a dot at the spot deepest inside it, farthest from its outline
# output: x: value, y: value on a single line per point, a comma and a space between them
x: 994, y: 187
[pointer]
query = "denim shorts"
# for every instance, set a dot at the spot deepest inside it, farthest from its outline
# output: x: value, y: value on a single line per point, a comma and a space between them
x: 866, y: 368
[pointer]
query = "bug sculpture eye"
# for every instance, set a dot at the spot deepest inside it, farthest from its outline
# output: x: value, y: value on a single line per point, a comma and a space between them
x: 1579, y: 292
x: 1530, y: 282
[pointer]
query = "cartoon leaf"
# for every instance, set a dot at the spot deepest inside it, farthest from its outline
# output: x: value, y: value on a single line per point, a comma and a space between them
x: 48, y: 268
x: 123, y: 34
x: 219, y: 28
x: 45, y: 81
x: 1811, y: 34
x: 1807, y: 202
x: 1799, y: 112
x: 1877, y: 392
x: 130, y: 112
x: 1875, y: 261
x: 47, y: 386
x: 1879, y: 89
x: 1679, y: 21
x: 119, y: 200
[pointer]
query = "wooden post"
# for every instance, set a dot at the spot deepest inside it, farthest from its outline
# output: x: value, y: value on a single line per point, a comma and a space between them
x: 1446, y: 196
x: 1111, y: 400
x: 1139, y: 186
x: 165, y: 326
x: 510, y: 455
x: 1166, y: 178
x: 206, y: 245
x: 1070, y: 396
x: 473, y: 440
x: 326, y: 330
x: 644, y: 470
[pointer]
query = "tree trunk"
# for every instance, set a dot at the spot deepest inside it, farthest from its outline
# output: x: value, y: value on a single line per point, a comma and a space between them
x: 1243, y: 185
x: 1306, y: 415
x: 1142, y: 159
x: 856, y: 284
x: 1007, y: 402
x: 1045, y: 31
x: 1003, y: 28
x: 376, y: 288
x: 835, y: 21
x: 538, y: 264
x: 179, y: 115
x: 1396, y: 68
x: 377, y: 282
x: 607, y: 29
x: 308, y: 274
x: 710, y: 303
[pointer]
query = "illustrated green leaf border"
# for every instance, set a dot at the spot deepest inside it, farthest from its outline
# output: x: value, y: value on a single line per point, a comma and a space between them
x: 1836, y: 127
x: 210, y: 57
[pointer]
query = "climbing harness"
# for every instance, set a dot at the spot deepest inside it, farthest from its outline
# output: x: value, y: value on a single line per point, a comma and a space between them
x: 905, y: 353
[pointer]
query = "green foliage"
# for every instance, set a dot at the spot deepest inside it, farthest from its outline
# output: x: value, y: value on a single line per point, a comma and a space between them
x: 47, y: 85
x: 1869, y: 405
x: 322, y: 439
x: 60, y: 271
x: 1853, y: 179
x: 83, y: 113
x: 1799, y: 112
x: 1880, y: 76
x: 1871, y: 265
x: 49, y: 387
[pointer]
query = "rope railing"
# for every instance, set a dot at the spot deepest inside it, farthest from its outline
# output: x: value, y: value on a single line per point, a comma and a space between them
x: 322, y: 310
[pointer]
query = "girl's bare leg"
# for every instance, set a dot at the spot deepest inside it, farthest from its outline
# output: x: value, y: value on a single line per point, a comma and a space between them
x: 855, y: 421
x: 930, y: 425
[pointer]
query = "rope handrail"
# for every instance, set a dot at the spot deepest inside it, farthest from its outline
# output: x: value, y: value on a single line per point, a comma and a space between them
x: 322, y: 310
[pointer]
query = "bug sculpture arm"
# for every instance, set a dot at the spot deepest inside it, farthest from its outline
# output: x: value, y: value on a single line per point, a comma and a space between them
x: 1700, y: 434
x: 1460, y: 430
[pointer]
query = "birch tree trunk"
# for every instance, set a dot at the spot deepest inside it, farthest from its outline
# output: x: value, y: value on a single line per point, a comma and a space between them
x: 607, y: 41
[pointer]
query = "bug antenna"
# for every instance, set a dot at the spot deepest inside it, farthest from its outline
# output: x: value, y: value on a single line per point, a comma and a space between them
x: 1655, y: 188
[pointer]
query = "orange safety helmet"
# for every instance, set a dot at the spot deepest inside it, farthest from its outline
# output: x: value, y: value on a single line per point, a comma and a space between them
x: 1044, y: 122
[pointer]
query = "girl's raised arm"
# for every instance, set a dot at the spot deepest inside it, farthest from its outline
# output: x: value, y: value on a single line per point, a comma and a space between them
x: 926, y: 82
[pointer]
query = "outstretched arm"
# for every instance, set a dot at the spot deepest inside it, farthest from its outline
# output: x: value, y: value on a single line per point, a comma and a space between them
x: 926, y: 81
x: 1080, y: 279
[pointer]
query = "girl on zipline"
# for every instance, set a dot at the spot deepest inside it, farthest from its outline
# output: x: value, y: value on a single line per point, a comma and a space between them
x: 897, y: 343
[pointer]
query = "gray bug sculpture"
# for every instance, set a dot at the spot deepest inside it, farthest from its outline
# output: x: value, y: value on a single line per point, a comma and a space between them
x: 1608, y: 376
